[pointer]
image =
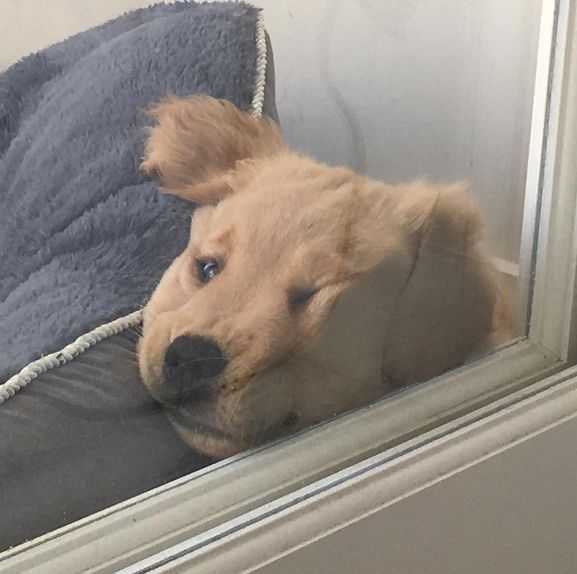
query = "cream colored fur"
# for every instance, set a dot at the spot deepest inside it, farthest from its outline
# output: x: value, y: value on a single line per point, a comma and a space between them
x: 402, y: 289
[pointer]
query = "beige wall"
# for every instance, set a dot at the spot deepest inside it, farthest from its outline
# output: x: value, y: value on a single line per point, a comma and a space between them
x: 438, y: 88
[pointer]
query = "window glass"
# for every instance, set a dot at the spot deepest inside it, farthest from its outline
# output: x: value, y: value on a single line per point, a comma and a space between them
x: 373, y: 245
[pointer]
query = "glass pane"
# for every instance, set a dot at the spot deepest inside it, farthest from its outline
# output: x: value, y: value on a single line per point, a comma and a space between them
x: 310, y: 285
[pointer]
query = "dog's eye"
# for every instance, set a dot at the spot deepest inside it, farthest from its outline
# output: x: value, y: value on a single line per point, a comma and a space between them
x: 298, y: 298
x: 207, y: 269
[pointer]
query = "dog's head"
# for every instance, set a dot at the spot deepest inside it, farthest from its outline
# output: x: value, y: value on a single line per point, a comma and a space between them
x: 305, y: 290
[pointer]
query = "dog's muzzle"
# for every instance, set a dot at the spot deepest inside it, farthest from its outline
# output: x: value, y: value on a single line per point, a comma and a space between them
x: 191, y: 364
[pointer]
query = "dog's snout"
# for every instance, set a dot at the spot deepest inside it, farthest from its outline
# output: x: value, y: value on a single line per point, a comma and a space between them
x: 191, y: 363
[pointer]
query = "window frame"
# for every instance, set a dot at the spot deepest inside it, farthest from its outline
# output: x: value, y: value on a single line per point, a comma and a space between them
x: 303, y: 518
x: 198, y: 514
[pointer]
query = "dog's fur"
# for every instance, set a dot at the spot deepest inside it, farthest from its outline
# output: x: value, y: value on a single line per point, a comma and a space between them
x: 401, y: 289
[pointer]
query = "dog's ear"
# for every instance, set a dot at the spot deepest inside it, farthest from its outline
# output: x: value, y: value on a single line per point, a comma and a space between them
x: 198, y: 142
x: 445, y: 308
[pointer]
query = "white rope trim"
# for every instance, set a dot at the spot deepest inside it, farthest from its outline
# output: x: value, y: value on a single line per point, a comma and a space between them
x: 67, y: 354
x: 260, y: 79
x: 84, y: 342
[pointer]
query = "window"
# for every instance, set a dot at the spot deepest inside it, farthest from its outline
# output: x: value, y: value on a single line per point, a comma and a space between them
x: 223, y: 501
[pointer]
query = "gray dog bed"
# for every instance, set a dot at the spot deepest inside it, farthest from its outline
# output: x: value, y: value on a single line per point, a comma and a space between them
x: 84, y: 238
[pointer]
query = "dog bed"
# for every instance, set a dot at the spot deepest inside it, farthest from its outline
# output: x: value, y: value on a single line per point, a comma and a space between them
x: 84, y: 237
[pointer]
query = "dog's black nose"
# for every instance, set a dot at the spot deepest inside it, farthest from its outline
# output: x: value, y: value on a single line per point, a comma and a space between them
x: 191, y: 363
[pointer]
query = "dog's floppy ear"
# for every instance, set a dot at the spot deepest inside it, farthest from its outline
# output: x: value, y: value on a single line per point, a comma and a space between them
x: 447, y: 292
x: 197, y: 142
x: 446, y: 308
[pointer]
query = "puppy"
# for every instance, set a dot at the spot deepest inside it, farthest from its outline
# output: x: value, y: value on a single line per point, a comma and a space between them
x: 305, y: 290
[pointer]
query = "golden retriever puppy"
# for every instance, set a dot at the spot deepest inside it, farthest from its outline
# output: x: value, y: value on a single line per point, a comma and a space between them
x: 305, y: 290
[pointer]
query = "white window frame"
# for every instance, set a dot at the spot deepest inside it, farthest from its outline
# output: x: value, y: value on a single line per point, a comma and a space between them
x: 231, y: 510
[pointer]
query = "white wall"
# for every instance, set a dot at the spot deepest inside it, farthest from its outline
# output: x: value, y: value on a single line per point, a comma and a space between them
x: 439, y: 89
x: 397, y: 89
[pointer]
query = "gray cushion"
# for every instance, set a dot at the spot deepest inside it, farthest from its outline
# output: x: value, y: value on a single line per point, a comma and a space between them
x: 84, y: 237
x: 80, y: 438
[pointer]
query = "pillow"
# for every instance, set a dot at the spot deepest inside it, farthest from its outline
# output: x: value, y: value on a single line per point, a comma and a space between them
x: 84, y: 237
